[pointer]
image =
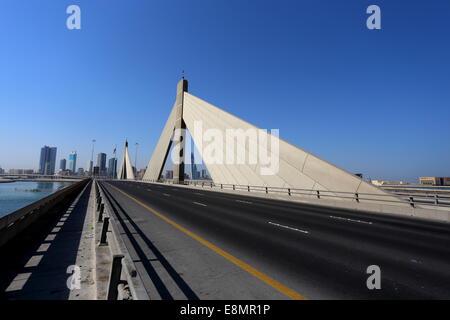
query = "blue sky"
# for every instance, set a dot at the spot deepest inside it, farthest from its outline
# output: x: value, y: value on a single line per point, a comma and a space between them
x: 376, y: 102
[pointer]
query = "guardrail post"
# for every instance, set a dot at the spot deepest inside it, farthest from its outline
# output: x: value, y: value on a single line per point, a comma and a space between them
x: 318, y: 194
x: 104, y: 231
x: 100, y: 213
x: 99, y: 202
x: 436, y: 199
x: 356, y: 197
x: 114, y: 277
x: 248, y: 188
x: 221, y: 186
x: 202, y: 184
x: 289, y: 191
x: 211, y: 184
x: 411, y: 201
x: 267, y: 190
x: 234, y: 187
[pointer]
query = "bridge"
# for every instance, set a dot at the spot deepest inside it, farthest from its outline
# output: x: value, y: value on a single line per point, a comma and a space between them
x: 303, y: 229
x: 8, y: 177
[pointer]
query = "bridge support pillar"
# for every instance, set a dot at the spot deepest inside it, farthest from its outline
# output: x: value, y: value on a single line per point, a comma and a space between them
x: 179, y: 134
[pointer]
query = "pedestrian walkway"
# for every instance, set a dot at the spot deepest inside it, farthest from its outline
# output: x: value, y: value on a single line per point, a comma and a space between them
x: 62, y: 266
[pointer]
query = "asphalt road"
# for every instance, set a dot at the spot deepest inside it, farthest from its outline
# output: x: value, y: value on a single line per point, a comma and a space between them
x: 316, y: 252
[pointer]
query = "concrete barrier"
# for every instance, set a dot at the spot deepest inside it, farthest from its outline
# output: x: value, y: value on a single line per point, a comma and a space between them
x: 15, y: 223
x: 122, y: 268
x: 397, y: 208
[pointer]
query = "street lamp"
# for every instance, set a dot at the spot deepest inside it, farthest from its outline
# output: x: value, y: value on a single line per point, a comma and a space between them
x: 91, y: 165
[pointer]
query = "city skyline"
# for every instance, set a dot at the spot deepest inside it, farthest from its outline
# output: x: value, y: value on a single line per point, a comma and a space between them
x: 357, y: 88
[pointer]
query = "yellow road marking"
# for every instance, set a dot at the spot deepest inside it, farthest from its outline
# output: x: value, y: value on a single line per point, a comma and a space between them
x: 261, y: 276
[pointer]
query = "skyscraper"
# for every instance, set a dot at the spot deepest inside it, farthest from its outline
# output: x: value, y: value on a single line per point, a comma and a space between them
x: 194, y: 173
x: 89, y: 166
x: 47, y: 161
x: 112, y: 168
x: 62, y: 164
x: 73, y: 161
x: 101, y: 162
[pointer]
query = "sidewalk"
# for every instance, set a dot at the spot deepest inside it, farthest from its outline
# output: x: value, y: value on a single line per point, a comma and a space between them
x: 69, y: 246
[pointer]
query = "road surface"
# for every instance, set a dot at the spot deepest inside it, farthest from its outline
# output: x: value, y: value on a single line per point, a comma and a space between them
x: 200, y: 244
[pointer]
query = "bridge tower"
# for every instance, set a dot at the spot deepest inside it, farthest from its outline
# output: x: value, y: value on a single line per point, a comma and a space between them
x: 126, y: 169
x: 179, y: 133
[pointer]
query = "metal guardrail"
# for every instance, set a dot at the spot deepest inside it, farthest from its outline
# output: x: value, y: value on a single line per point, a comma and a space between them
x: 122, y: 266
x: 25, y: 216
x: 394, y: 198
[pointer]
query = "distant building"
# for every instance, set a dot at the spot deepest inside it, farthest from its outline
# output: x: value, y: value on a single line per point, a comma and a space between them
x: 205, y: 174
x: 101, y: 163
x: 2, y: 171
x: 72, y: 161
x: 89, y: 166
x: 65, y: 173
x: 435, y: 181
x: 169, y: 174
x: 80, y: 171
x: 62, y: 164
x: 112, y: 168
x: 47, y: 161
x: 21, y: 171
x: 96, y: 171
x: 194, y: 171
x: 140, y: 174
x: 385, y: 182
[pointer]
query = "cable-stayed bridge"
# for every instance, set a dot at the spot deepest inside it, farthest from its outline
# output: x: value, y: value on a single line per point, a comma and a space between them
x: 275, y: 222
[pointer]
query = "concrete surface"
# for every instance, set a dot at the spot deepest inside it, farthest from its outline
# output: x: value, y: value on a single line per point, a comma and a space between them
x: 174, y: 266
x: 126, y: 169
x: 320, y: 252
x: 42, y: 273
x: 297, y: 168
x: 421, y: 211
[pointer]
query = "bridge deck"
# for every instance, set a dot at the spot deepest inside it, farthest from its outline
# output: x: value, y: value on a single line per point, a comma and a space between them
x: 191, y: 243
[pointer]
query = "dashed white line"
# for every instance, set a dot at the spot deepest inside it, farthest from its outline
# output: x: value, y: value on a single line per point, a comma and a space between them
x: 201, y: 194
x: 351, y: 220
x: 149, y: 189
x: 244, y: 201
x: 287, y: 227
x: 200, y: 204
x: 167, y: 195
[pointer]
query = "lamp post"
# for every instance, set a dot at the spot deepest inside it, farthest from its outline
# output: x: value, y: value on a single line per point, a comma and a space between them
x: 91, y: 165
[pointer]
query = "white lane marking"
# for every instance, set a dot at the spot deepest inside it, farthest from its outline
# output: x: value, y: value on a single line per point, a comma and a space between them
x: 200, y: 204
x: 199, y: 193
x: 287, y: 227
x: 149, y: 189
x: 352, y: 220
x: 244, y: 201
x: 167, y: 195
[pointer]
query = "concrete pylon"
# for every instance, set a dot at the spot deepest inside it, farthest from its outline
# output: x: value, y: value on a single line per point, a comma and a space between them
x: 126, y: 169
x: 296, y: 168
x: 169, y: 133
x: 179, y: 133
